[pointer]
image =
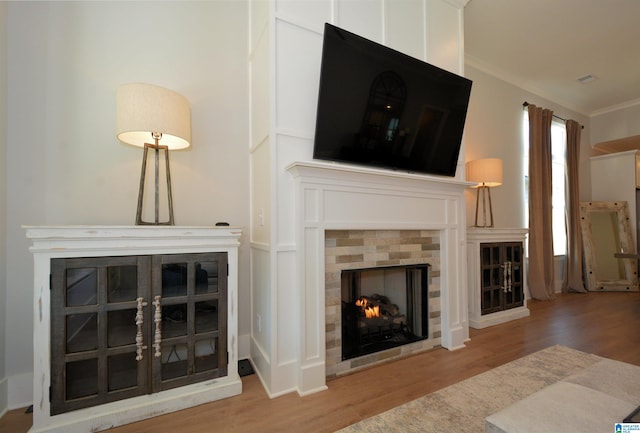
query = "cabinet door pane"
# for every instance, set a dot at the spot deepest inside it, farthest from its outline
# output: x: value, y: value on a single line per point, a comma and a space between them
x: 491, y: 300
x: 121, y: 329
x: 508, y: 298
x: 486, y: 277
x: 174, y: 361
x: 123, y: 371
x: 122, y: 283
x: 81, y: 332
x: 206, y: 316
x: 81, y: 378
x: 174, y: 320
x: 487, y: 300
x: 517, y: 253
x: 485, y: 255
x: 206, y: 277
x: 206, y: 352
x: 174, y: 280
x: 495, y: 255
x: 516, y: 274
x: 81, y: 287
x: 496, y: 277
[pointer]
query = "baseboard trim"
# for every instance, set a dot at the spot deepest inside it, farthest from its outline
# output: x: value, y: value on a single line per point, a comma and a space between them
x: 500, y: 317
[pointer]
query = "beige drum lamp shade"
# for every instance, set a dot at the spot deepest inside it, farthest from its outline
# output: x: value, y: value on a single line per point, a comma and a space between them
x: 143, y: 109
x: 485, y: 172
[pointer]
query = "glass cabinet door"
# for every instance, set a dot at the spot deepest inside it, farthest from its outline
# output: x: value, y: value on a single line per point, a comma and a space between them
x: 96, y: 304
x: 189, y: 309
x: 501, y: 281
x: 491, y: 278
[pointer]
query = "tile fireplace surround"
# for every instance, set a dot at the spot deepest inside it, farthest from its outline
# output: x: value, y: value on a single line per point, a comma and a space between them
x: 357, y: 249
x: 341, y: 197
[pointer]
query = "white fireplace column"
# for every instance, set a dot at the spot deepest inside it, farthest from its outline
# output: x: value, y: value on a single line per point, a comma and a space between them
x: 340, y: 197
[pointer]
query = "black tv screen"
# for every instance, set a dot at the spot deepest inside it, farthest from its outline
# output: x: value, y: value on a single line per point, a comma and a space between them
x: 379, y: 107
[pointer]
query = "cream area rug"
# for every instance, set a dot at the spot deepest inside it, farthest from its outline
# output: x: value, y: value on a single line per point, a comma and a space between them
x: 464, y: 406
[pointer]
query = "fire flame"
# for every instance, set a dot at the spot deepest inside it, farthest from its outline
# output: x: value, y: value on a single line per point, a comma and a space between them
x: 368, y: 309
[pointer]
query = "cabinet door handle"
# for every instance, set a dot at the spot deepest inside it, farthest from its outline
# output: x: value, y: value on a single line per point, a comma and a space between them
x: 505, y: 287
x: 506, y: 277
x: 157, y: 319
x: 139, y: 321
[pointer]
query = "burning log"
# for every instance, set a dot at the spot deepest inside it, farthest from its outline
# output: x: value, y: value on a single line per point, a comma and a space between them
x: 380, y: 303
x: 378, y: 311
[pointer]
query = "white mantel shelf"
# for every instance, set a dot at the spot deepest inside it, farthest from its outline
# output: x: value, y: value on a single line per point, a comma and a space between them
x: 96, y: 241
x: 323, y: 169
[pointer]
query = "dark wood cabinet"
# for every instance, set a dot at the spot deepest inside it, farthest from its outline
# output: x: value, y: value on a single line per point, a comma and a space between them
x: 132, y: 325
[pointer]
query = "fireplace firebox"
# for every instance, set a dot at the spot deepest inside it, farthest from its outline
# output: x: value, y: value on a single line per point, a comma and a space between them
x: 383, y: 307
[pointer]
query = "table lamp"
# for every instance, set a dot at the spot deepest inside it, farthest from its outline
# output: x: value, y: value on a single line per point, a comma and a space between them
x: 154, y: 118
x: 486, y: 173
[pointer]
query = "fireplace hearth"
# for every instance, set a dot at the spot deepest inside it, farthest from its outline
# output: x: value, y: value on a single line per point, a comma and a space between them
x: 383, y: 308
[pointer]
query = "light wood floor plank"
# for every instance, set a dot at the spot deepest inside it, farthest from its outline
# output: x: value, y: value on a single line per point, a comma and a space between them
x: 606, y: 324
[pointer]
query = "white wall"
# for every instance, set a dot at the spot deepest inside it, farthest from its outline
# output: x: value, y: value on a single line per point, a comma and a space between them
x: 494, y: 129
x: 261, y: 185
x: 65, y: 166
x: 3, y: 206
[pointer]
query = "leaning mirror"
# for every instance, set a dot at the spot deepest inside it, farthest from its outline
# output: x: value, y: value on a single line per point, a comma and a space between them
x: 609, y: 252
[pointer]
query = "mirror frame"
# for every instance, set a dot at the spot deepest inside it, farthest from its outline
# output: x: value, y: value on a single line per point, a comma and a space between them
x: 627, y: 252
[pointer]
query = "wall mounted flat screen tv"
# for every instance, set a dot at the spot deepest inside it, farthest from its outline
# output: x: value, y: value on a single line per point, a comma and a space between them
x: 379, y: 107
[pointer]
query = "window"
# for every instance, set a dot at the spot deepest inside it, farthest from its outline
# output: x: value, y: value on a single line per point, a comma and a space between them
x: 558, y: 158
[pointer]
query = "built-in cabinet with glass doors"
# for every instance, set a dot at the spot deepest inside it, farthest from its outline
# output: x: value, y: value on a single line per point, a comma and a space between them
x: 131, y: 322
x: 126, y: 326
x: 497, y: 278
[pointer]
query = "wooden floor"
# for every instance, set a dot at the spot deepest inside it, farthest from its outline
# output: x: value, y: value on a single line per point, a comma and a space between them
x: 607, y: 324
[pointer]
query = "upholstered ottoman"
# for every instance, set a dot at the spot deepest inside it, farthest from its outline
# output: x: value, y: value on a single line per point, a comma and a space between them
x: 592, y: 400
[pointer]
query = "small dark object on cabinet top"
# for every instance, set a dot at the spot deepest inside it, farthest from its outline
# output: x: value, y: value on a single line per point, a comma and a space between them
x: 222, y: 224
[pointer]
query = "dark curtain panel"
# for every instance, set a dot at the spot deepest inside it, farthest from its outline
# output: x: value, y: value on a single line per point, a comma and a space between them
x: 541, y: 270
x: 573, y: 275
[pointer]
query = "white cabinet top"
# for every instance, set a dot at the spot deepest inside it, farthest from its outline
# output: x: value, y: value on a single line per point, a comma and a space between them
x: 141, y: 239
x: 495, y: 234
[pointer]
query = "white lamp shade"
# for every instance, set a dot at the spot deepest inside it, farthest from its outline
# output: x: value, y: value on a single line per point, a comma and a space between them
x: 143, y: 109
x: 487, y: 172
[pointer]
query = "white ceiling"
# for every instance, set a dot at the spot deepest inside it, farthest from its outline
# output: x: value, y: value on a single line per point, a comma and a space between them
x: 544, y: 46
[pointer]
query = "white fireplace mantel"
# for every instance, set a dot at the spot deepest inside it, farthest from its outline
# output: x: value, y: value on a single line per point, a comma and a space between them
x: 342, y: 197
